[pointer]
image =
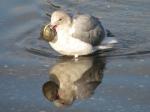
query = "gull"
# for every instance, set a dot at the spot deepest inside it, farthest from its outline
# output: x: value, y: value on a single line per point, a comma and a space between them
x: 78, y: 35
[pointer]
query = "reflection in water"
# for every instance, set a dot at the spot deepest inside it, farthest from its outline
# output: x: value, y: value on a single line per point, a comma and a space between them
x: 71, y: 80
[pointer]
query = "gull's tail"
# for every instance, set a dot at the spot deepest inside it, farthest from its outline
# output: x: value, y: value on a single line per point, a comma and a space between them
x: 108, y: 43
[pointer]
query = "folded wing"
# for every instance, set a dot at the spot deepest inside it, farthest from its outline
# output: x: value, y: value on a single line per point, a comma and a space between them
x: 88, y: 29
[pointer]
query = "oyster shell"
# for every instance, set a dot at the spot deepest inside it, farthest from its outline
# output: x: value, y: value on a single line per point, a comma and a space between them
x: 47, y: 33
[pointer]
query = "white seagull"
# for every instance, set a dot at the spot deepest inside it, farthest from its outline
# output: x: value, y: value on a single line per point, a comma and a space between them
x: 82, y: 34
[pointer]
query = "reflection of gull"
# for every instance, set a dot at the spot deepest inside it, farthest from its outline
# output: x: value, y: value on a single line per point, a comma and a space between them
x: 80, y: 34
x: 71, y: 80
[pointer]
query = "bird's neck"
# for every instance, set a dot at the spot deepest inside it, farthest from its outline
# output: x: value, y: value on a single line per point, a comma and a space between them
x: 63, y: 28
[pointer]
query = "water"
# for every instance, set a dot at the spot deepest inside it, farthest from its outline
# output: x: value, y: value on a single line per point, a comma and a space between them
x: 123, y: 82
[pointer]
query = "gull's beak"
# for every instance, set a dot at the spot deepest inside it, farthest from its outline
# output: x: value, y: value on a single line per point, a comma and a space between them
x: 53, y: 26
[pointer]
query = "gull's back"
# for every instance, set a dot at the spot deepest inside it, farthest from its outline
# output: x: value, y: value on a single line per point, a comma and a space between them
x: 88, y: 29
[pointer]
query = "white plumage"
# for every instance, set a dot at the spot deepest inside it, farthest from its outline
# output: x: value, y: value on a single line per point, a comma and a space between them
x: 79, y: 35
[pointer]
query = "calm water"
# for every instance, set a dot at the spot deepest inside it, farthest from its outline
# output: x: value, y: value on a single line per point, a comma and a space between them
x: 116, y: 81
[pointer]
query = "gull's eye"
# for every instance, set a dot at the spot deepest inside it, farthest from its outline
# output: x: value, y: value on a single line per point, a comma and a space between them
x: 60, y: 19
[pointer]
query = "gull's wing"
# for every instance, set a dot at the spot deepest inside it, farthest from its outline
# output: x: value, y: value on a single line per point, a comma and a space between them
x: 88, y: 29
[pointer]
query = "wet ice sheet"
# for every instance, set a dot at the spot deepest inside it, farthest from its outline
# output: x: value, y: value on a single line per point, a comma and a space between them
x: 123, y: 88
x: 125, y: 85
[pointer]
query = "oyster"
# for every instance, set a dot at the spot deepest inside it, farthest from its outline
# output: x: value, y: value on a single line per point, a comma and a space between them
x: 47, y: 33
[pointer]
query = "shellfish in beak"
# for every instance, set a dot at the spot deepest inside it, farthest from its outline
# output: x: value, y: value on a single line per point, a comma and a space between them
x: 48, y: 33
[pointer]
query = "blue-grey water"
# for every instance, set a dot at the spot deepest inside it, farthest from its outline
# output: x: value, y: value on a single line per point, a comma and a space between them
x: 119, y: 80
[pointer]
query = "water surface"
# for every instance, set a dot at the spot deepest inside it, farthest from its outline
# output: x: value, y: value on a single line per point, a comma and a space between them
x: 25, y: 61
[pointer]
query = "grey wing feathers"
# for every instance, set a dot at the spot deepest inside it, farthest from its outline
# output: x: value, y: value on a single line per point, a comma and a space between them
x: 88, y: 29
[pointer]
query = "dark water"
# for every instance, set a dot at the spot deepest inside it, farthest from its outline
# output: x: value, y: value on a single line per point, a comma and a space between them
x: 119, y: 82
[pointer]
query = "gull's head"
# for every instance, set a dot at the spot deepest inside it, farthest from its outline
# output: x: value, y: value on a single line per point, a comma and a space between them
x: 60, y: 19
